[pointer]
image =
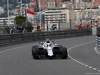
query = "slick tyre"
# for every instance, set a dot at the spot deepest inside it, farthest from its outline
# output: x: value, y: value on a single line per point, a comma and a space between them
x: 35, y: 52
x: 64, y: 54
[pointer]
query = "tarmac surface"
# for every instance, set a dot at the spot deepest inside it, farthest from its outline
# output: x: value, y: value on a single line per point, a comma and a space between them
x: 83, y: 59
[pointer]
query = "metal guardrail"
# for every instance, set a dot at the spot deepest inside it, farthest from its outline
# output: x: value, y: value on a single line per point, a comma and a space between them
x: 98, y: 43
x: 98, y: 30
x: 27, y: 37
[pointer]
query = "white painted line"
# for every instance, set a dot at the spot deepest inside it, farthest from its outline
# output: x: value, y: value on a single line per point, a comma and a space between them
x: 86, y: 65
x: 94, y: 69
x: 92, y: 73
x: 90, y: 67
x: 82, y: 63
x: 98, y: 70
x: 96, y: 50
x: 80, y: 45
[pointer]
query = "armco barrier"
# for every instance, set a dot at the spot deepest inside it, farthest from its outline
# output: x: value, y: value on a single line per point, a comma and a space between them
x: 98, y: 30
x: 98, y: 43
x: 27, y: 37
x: 98, y: 39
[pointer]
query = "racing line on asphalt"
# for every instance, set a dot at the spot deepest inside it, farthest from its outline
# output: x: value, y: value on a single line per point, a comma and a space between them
x: 90, y: 67
x: 14, y: 48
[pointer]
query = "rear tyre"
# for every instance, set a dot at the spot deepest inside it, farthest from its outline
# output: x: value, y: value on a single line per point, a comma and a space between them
x: 35, y: 52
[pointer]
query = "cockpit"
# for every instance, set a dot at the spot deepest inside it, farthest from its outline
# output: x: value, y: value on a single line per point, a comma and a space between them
x: 48, y: 41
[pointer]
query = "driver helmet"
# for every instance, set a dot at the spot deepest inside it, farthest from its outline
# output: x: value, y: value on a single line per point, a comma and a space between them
x: 47, y: 40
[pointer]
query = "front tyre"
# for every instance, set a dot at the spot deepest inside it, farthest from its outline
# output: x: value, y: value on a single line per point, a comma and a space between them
x: 35, y: 52
x: 64, y: 54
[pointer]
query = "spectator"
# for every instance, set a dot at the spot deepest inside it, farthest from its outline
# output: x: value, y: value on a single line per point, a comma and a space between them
x: 17, y: 31
x: 24, y: 30
x: 11, y: 31
x: 51, y: 28
x: 14, y: 30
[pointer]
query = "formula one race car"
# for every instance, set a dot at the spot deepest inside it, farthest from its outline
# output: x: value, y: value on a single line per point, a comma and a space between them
x: 49, y: 49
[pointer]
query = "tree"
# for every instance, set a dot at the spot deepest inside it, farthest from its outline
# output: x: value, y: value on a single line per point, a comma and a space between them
x: 22, y: 23
x: 3, y: 14
x: 28, y: 26
x: 7, y: 29
x: 1, y: 28
x: 19, y: 20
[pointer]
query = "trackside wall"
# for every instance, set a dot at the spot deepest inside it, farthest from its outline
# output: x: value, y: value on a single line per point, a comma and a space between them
x: 28, y: 37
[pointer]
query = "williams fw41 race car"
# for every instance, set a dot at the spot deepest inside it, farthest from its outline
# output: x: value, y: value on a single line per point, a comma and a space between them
x: 49, y: 49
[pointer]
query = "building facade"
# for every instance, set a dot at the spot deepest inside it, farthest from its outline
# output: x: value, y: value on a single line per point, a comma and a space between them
x: 62, y: 16
x: 33, y: 6
x: 36, y: 5
x: 96, y: 3
x: 1, y: 10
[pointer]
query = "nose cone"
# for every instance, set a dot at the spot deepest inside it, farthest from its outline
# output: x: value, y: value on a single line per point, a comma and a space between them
x: 50, y: 52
